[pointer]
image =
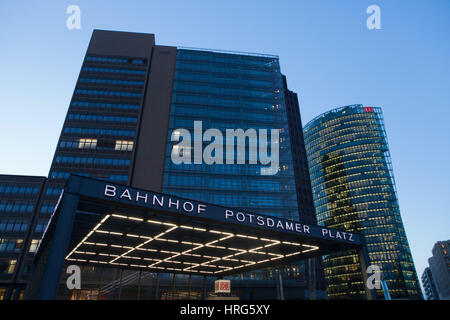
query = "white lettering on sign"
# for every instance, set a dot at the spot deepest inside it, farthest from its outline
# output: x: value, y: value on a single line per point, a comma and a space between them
x: 266, y: 221
x: 201, y: 208
x: 190, y: 206
x: 110, y: 191
x: 157, y: 200
x: 139, y: 196
x: 186, y: 205
x: 334, y: 234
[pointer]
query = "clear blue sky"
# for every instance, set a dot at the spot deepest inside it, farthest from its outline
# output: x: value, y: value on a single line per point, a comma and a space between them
x: 329, y: 56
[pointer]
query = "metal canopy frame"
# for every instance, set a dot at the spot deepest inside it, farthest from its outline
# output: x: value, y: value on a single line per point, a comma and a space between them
x: 91, y: 227
x: 160, y: 244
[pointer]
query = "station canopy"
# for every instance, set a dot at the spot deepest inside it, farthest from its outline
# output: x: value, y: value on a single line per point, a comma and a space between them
x: 119, y: 226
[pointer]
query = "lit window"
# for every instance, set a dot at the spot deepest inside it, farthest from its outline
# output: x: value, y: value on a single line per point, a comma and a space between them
x: 33, y: 246
x: 11, y: 266
x: 124, y: 145
x: 87, y: 143
x: 18, y: 245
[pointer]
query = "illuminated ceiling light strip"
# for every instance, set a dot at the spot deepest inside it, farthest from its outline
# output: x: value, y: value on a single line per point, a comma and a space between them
x: 136, y: 219
x: 277, y: 256
x: 132, y: 235
x: 174, y: 269
x: 206, y: 264
x: 169, y: 224
x: 151, y: 259
x: 144, y: 243
x: 157, y: 238
x: 309, y: 246
x: 246, y: 236
x: 121, y: 247
x: 210, y: 257
x: 209, y: 244
x: 96, y: 261
x: 231, y: 259
x: 119, y: 216
x: 85, y: 252
x: 272, y: 244
x: 108, y: 255
x: 241, y: 251
x: 293, y: 254
x: 79, y: 260
x: 192, y: 266
x: 119, y: 264
x: 313, y: 249
x: 89, y: 234
x: 163, y: 223
x: 132, y: 257
x: 191, y: 243
x: 99, y: 244
x: 236, y: 249
x: 153, y: 221
x: 292, y: 243
x: 171, y: 252
x: 145, y: 249
x: 109, y: 232
x: 155, y: 267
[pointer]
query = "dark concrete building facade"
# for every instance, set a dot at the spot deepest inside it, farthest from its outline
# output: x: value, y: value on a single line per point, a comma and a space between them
x: 440, y: 268
x: 429, y: 286
x: 20, y: 231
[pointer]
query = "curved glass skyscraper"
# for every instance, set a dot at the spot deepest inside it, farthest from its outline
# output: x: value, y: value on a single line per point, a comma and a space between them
x: 354, y: 190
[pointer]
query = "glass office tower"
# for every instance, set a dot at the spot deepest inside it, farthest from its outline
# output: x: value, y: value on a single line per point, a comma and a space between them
x: 354, y: 190
x: 231, y: 91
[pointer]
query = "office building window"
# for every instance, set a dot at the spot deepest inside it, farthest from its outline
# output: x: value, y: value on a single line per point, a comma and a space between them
x: 87, y: 143
x: 124, y: 145
x: 33, y: 246
x: 11, y: 266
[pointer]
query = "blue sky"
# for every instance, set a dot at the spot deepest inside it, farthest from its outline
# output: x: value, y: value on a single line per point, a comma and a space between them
x: 326, y: 51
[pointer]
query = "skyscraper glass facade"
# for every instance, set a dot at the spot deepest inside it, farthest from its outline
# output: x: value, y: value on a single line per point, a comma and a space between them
x: 354, y: 190
x: 231, y: 91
